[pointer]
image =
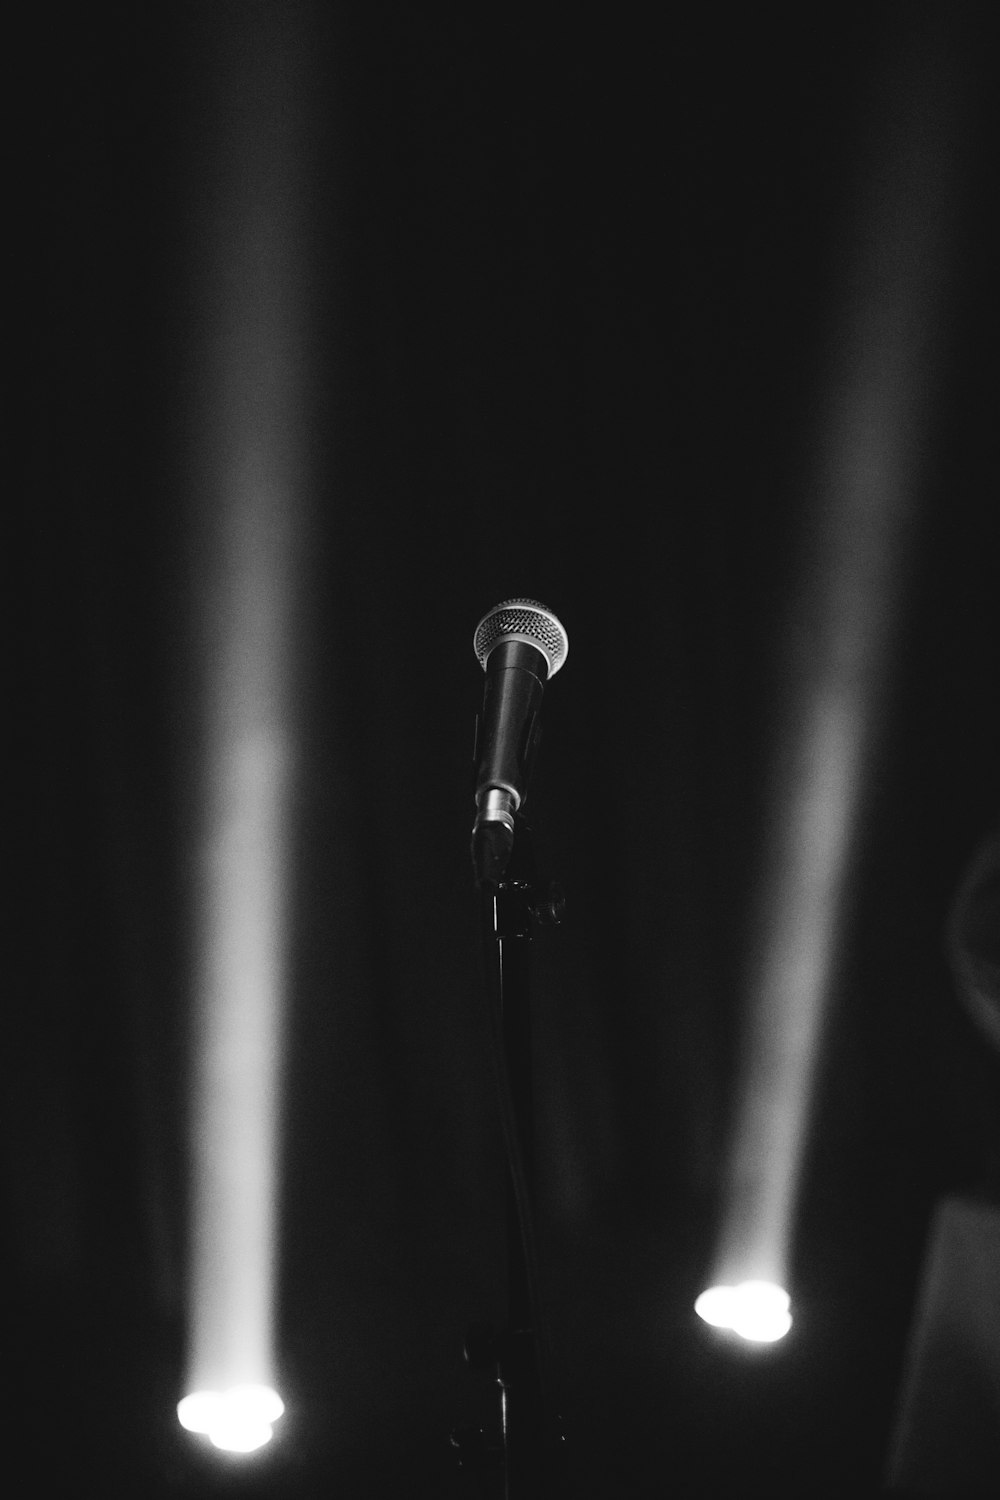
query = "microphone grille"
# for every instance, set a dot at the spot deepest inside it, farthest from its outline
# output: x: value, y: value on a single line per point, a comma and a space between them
x: 522, y: 620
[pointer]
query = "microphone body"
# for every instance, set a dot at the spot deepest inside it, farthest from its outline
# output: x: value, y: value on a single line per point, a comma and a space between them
x: 520, y: 644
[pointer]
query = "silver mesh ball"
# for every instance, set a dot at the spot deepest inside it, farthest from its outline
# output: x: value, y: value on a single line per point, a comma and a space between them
x: 522, y: 620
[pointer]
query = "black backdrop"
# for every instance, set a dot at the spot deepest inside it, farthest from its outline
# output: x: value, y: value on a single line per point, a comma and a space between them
x: 573, y: 287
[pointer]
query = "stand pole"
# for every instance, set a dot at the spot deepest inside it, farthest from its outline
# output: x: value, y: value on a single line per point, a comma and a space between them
x: 529, y: 1432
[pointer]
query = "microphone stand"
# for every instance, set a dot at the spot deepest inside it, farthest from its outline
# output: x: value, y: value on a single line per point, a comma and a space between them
x: 530, y: 1436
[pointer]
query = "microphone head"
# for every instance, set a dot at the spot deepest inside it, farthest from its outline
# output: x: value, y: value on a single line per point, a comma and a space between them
x: 522, y: 620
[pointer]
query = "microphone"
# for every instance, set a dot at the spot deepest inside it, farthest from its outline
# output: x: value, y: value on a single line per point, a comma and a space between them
x: 519, y: 645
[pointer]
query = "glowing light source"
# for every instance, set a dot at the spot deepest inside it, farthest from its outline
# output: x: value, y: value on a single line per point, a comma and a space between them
x: 757, y: 1311
x: 238, y: 1420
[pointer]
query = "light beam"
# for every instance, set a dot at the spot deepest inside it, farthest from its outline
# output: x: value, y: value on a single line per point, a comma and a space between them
x: 249, y: 483
x: 841, y: 631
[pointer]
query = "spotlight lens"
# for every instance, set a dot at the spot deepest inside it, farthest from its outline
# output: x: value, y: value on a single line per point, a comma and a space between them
x: 240, y: 1431
x: 198, y: 1411
x: 761, y: 1312
x: 755, y: 1310
x: 716, y: 1306
x: 238, y: 1420
x: 257, y: 1400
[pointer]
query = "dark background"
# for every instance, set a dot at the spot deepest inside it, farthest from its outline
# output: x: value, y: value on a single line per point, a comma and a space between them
x: 575, y: 287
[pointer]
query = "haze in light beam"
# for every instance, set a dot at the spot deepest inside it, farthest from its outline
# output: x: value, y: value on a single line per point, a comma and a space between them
x: 842, y: 629
x: 249, y: 482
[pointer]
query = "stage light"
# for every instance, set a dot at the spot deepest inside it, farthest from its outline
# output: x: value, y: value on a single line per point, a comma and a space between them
x: 714, y: 1305
x: 757, y: 1311
x: 237, y: 1421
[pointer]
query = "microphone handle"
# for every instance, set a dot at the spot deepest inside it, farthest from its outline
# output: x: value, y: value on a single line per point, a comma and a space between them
x: 507, y: 737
